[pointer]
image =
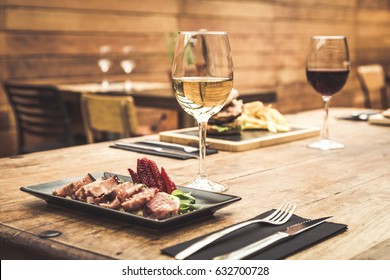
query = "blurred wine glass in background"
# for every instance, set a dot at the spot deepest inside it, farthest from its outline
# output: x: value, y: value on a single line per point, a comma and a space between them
x: 127, y: 64
x: 105, y: 64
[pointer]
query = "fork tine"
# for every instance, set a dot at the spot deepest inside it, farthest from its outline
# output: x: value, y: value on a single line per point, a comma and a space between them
x: 288, y: 213
x: 275, y: 213
x: 281, y: 213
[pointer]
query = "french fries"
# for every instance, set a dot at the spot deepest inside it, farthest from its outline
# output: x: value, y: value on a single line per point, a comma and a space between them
x: 258, y: 116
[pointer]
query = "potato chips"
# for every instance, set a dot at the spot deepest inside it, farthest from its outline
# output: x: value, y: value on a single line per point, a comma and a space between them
x: 256, y: 115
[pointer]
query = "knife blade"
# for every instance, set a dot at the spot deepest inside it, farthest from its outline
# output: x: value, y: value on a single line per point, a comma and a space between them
x: 180, y: 147
x: 156, y: 149
x: 139, y: 146
x: 255, y: 247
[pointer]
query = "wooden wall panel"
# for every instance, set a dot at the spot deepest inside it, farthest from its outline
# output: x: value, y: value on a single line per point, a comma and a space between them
x: 230, y: 25
x: 59, y: 20
x: 249, y: 43
x: 39, y: 43
x: 148, y: 6
x: 48, y: 41
x: 339, y: 3
x: 314, y: 11
x: 24, y: 67
x: 248, y: 10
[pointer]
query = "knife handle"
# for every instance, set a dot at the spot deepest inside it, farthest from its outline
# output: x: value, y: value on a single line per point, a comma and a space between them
x: 210, y: 239
x: 253, y: 248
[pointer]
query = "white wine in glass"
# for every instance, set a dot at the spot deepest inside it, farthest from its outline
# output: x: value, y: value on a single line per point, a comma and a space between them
x: 327, y: 71
x: 202, y: 74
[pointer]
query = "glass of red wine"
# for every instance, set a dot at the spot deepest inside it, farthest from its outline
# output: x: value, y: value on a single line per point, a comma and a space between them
x: 327, y: 71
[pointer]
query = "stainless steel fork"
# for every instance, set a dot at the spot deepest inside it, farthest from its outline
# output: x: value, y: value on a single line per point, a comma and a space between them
x: 278, y: 217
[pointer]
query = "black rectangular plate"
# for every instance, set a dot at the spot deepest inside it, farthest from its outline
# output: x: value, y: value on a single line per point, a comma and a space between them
x: 210, y: 202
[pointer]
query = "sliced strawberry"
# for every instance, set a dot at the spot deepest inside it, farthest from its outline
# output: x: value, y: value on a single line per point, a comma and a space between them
x: 144, y: 172
x: 159, y: 183
x: 134, y: 176
x: 169, y: 184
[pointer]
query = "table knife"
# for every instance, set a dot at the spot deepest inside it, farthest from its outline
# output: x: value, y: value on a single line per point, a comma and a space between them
x: 265, y: 242
x: 185, y: 148
x: 153, y: 148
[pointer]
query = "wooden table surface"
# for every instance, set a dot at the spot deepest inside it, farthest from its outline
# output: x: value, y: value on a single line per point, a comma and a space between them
x: 352, y: 185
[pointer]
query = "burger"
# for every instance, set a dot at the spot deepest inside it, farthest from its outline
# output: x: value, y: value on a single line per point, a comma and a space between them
x: 227, y: 121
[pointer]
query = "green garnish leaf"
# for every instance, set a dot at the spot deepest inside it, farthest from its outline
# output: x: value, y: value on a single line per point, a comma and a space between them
x: 187, y: 201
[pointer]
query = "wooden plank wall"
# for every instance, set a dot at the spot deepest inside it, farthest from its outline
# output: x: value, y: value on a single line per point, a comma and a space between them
x: 58, y: 41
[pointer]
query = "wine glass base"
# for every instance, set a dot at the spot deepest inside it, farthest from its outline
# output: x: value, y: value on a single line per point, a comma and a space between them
x: 205, y: 184
x: 325, y: 145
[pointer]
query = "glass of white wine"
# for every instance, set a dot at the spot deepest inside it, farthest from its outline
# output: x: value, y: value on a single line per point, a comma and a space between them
x: 128, y: 65
x: 202, y: 74
x: 105, y: 64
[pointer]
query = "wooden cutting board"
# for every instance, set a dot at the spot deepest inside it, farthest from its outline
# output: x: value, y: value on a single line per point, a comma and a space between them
x: 379, y: 119
x: 236, y: 143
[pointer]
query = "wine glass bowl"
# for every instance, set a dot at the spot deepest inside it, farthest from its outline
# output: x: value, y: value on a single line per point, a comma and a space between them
x: 104, y: 64
x: 327, y: 71
x: 202, y: 75
x: 127, y: 63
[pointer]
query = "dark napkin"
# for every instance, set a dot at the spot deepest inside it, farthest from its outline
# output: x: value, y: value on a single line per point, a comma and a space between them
x: 252, y: 233
x: 171, y: 153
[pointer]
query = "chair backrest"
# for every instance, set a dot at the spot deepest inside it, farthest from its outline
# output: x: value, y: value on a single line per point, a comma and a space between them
x: 108, y: 114
x: 39, y: 112
x: 372, y: 79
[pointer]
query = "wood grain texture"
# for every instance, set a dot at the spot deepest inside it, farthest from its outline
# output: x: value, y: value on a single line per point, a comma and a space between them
x: 261, y: 139
x: 53, y: 41
x: 54, y: 20
x: 349, y: 184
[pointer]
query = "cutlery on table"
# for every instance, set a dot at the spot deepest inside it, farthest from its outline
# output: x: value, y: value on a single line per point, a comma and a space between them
x: 278, y: 217
x: 363, y: 116
x: 185, y: 148
x: 139, y: 146
x: 156, y: 149
x: 265, y: 242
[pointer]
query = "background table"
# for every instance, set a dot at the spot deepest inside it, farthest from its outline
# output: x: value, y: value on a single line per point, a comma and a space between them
x: 155, y: 95
x: 352, y: 185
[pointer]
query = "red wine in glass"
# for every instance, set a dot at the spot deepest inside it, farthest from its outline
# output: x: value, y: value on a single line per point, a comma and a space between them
x: 327, y: 70
x: 327, y: 81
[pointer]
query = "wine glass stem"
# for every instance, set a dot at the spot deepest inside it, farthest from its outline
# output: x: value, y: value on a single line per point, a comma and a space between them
x: 325, y: 127
x: 202, y: 149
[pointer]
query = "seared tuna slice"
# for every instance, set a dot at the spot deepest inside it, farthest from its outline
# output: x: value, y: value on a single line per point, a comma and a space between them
x: 96, y: 189
x: 74, y: 186
x: 162, y: 206
x: 139, y: 200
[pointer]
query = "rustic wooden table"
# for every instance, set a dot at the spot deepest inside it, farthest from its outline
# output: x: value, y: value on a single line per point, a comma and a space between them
x: 352, y: 185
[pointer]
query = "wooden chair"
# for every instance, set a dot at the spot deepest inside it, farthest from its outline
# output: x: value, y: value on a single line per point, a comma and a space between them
x: 42, y: 120
x: 372, y: 80
x: 108, y: 115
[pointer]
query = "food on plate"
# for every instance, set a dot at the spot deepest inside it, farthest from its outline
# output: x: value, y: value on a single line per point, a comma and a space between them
x: 256, y: 115
x: 95, y: 190
x: 74, y: 186
x: 152, y: 193
x: 226, y: 121
x: 236, y: 117
x: 187, y: 201
x: 149, y: 175
x: 162, y: 206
